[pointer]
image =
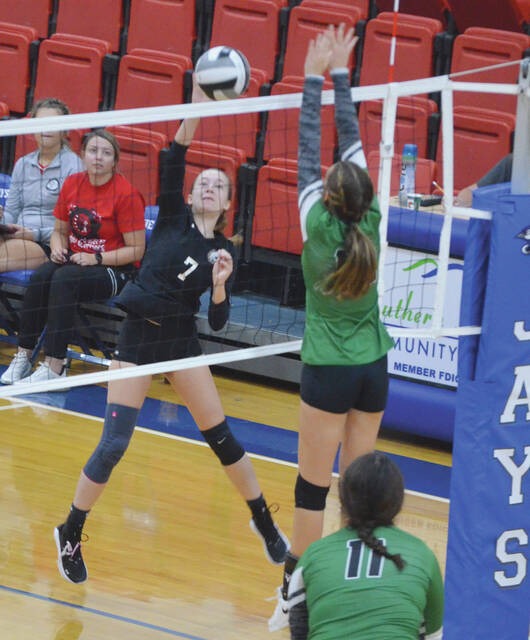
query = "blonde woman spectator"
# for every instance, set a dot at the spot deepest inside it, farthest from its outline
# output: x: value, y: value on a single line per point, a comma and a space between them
x: 35, y: 185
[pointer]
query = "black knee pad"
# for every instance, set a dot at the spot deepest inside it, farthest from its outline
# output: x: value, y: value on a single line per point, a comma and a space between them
x: 223, y: 444
x: 117, y: 432
x: 309, y: 496
x: 105, y: 458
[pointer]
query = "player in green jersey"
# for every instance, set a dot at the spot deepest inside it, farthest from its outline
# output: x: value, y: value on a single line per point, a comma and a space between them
x: 370, y: 580
x: 344, y: 382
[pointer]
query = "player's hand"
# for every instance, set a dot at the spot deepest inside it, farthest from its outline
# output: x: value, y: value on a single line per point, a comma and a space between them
x: 197, y: 94
x: 222, y: 268
x: 84, y: 259
x: 342, y: 42
x: 59, y: 255
x: 318, y: 54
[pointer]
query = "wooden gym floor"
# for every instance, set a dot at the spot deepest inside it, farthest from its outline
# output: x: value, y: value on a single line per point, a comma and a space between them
x: 170, y: 552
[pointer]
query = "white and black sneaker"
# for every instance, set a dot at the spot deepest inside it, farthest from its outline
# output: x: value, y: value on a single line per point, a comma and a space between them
x: 44, y: 373
x: 19, y: 368
x: 69, y: 559
x: 280, y: 617
x: 275, y: 543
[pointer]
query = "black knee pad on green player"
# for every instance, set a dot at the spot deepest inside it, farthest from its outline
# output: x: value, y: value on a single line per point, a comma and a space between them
x: 118, y: 429
x: 223, y: 444
x: 309, y: 496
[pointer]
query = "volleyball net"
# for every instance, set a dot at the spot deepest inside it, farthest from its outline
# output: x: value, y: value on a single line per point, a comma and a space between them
x: 254, y: 140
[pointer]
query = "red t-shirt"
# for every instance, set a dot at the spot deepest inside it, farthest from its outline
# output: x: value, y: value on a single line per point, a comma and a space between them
x: 99, y: 216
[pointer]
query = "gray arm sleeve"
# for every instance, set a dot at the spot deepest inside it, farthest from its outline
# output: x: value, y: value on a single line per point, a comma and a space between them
x: 309, y: 133
x: 501, y: 172
x: 350, y: 145
x: 14, y: 199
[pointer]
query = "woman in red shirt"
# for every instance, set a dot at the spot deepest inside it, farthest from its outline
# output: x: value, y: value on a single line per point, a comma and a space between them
x: 97, y: 243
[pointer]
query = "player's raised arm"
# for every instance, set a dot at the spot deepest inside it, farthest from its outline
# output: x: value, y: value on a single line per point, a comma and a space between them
x: 171, y: 200
x: 309, y: 176
x: 342, y: 42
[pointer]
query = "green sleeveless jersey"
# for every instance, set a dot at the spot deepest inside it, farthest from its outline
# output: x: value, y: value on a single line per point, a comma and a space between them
x: 352, y: 592
x: 347, y: 332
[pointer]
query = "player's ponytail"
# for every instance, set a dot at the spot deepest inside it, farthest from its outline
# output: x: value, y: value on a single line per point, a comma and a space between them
x: 371, y: 493
x: 348, y: 194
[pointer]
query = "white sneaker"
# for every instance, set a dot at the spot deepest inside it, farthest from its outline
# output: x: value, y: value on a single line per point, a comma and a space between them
x: 280, y: 617
x: 43, y: 373
x: 19, y: 368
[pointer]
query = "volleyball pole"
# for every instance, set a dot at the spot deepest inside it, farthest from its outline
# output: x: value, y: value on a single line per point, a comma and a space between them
x: 487, y: 574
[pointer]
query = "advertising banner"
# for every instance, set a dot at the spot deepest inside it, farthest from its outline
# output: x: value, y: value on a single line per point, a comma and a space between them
x: 409, y: 303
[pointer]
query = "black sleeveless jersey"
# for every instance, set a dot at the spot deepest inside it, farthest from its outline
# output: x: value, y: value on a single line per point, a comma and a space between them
x: 177, y: 267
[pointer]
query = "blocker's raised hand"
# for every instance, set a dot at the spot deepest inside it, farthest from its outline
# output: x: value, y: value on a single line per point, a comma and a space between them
x: 318, y: 54
x: 342, y: 42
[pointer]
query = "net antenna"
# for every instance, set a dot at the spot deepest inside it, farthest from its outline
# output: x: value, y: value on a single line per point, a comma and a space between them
x: 521, y: 146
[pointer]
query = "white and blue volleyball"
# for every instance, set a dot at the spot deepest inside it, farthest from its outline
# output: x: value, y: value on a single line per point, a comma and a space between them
x: 222, y: 73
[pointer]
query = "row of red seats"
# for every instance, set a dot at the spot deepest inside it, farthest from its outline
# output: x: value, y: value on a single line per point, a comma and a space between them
x: 147, y: 79
x: 81, y: 58
x: 155, y: 24
x: 72, y: 67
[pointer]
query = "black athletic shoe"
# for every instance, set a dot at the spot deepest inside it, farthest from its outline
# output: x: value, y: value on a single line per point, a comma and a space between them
x: 69, y: 559
x: 275, y: 543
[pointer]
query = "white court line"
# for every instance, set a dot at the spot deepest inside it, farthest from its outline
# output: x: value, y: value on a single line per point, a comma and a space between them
x: 172, y: 436
x: 14, y: 404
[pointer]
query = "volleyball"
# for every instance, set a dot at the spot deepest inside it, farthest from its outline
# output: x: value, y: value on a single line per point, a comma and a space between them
x: 222, y: 73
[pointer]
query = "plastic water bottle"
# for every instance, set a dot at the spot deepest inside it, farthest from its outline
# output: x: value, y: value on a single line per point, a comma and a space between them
x: 407, y: 182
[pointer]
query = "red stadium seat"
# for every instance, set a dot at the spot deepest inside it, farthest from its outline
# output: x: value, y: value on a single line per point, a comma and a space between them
x: 437, y: 9
x: 480, y: 47
x: 276, y: 223
x: 139, y: 158
x: 281, y: 136
x: 414, y: 57
x: 152, y: 79
x: 37, y: 14
x: 362, y: 5
x: 426, y: 172
x: 206, y: 155
x: 243, y: 23
x: 239, y: 131
x: 412, y: 124
x: 162, y: 25
x: 305, y: 22
x: 101, y: 19
x: 509, y: 15
x: 71, y: 68
x: 17, y: 57
x: 481, y: 138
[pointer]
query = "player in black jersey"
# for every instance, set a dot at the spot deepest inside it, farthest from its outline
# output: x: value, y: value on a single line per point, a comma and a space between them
x: 187, y: 254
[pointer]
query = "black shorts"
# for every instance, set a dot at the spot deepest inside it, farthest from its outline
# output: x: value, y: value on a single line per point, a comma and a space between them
x: 143, y: 342
x: 337, y: 389
x: 46, y: 248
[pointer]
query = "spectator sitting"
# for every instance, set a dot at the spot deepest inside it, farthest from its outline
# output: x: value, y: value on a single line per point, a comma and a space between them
x: 501, y: 172
x: 35, y: 184
x: 96, y: 246
x: 370, y: 579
